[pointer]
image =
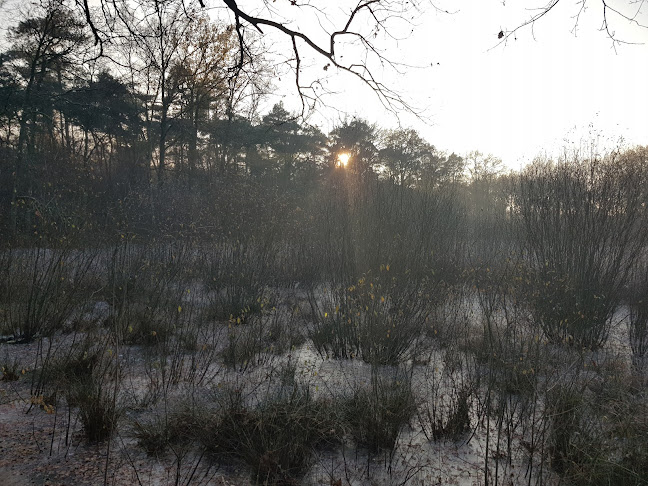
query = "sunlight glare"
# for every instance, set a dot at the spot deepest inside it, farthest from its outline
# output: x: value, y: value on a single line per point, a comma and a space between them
x: 343, y: 159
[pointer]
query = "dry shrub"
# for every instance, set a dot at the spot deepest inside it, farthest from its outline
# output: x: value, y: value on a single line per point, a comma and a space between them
x: 376, y: 415
x: 275, y: 439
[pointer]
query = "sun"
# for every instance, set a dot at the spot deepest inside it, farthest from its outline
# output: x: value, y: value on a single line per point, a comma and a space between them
x: 343, y: 159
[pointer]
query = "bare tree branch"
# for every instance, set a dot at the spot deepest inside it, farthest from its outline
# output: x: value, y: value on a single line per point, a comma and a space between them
x: 606, y: 7
x: 379, y: 11
x: 359, y: 27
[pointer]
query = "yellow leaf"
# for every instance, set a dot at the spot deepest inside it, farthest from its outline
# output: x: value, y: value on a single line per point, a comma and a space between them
x: 179, y: 308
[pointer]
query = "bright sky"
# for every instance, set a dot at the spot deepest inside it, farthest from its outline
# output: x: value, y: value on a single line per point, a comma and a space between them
x: 532, y: 95
x: 520, y: 99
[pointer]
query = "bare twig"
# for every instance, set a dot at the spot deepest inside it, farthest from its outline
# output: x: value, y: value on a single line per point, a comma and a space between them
x: 607, y: 8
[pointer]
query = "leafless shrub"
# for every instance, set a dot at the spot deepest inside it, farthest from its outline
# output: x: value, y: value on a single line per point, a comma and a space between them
x: 43, y: 288
x: 638, y: 318
x: 598, y: 431
x: 255, y: 339
x: 88, y: 376
x: 237, y: 276
x: 380, y: 318
x: 446, y: 411
x: 583, y: 227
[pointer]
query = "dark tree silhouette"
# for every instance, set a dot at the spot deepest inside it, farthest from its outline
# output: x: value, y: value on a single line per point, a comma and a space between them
x: 350, y: 42
x: 357, y: 138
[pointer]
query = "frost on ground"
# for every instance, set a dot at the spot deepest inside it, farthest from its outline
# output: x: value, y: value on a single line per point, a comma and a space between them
x: 49, y: 448
x: 480, y: 401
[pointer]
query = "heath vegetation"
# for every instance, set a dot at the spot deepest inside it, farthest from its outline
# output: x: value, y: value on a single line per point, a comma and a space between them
x: 201, y: 291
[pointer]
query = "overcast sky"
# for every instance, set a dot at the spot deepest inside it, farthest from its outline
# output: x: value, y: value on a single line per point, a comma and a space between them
x: 518, y: 99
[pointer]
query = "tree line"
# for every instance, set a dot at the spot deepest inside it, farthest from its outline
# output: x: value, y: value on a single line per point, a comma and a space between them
x: 166, y: 105
x: 161, y: 131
